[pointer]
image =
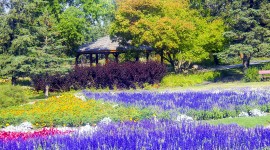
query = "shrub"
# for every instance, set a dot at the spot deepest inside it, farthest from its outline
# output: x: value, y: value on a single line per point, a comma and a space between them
x: 174, y: 80
x: 12, y: 96
x: 266, y: 66
x: 251, y: 75
x: 125, y: 75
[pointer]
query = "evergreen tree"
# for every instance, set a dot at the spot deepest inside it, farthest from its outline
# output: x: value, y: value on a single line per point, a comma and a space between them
x: 249, y: 32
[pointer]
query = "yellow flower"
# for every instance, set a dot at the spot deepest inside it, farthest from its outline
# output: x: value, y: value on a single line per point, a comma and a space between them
x: 130, y: 119
x: 7, y: 124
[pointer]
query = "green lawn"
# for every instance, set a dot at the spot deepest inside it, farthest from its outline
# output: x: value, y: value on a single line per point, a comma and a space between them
x: 248, y: 122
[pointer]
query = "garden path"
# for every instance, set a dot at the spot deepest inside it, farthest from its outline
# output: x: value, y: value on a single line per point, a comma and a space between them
x: 226, y: 67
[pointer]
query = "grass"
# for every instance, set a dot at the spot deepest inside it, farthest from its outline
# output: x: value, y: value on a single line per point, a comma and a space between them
x: 180, y: 80
x: 248, y: 122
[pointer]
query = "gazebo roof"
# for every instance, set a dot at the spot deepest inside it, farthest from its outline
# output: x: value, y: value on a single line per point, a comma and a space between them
x: 107, y: 45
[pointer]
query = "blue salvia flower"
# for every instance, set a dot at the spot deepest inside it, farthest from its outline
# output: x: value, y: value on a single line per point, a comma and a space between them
x: 148, y: 134
x: 204, y: 100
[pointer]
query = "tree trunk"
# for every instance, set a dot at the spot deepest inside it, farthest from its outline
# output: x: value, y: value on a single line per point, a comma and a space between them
x: 13, y: 80
x: 246, y: 61
x: 47, y: 87
x: 170, y: 60
x: 173, y: 65
x: 216, y: 61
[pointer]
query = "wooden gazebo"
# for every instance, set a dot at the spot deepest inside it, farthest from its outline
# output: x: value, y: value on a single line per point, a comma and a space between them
x: 107, y: 46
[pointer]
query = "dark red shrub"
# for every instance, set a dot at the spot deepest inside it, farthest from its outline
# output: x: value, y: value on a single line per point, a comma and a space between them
x: 123, y: 76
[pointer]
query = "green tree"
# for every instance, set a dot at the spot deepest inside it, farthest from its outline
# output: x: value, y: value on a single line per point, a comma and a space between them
x: 38, y: 36
x: 214, y: 8
x: 74, y: 29
x: 249, y: 32
x: 33, y: 40
x: 169, y: 26
x: 4, y: 33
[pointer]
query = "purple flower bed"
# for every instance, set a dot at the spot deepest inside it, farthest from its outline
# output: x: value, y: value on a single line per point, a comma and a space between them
x: 204, y: 100
x: 149, y: 134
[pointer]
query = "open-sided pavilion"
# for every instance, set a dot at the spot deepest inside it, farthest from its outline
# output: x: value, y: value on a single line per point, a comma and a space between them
x: 107, y: 46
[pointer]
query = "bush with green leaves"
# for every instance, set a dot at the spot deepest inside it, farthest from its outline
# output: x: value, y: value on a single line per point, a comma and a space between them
x: 266, y: 66
x: 180, y: 80
x: 12, y: 96
x: 251, y: 75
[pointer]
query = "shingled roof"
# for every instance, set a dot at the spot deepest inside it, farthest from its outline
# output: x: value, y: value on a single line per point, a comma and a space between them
x: 106, y: 44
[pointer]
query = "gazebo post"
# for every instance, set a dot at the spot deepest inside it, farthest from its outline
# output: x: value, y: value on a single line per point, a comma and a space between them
x: 91, y: 59
x: 77, y: 59
x: 161, y: 57
x: 96, y: 59
x: 147, y: 56
x: 106, y: 58
x: 116, y: 57
x: 137, y: 57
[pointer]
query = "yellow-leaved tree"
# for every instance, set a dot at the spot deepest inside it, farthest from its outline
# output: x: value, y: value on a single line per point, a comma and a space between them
x: 175, y: 31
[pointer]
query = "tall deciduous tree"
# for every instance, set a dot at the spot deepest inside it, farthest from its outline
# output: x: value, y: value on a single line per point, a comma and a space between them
x: 169, y: 26
x: 73, y: 28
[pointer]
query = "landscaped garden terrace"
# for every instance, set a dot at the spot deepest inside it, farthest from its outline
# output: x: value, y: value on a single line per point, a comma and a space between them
x: 134, y: 74
x: 156, y: 119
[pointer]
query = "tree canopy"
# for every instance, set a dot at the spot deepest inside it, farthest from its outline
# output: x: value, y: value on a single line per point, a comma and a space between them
x: 169, y: 26
x: 38, y: 36
x: 249, y: 30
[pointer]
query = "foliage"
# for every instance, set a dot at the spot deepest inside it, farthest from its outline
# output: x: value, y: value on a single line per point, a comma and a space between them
x: 149, y: 134
x: 125, y: 75
x: 249, y: 32
x: 12, y: 96
x: 67, y: 110
x: 180, y: 80
x: 73, y: 28
x: 251, y: 75
x: 213, y: 8
x: 169, y: 26
x: 266, y: 66
x: 12, y: 66
x: 37, y: 36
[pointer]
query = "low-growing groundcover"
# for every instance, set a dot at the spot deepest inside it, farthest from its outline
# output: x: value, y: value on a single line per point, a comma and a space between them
x: 150, y: 134
x: 67, y: 110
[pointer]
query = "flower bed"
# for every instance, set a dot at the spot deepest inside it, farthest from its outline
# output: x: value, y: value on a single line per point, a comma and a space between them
x: 45, y: 132
x: 149, y: 134
x: 201, y: 105
x: 203, y: 100
x: 68, y: 111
